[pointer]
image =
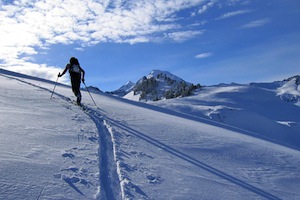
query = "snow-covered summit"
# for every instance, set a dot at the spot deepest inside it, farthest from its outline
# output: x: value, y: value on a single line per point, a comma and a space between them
x: 159, y: 74
x: 296, y: 79
x: 290, y: 90
x: 159, y: 85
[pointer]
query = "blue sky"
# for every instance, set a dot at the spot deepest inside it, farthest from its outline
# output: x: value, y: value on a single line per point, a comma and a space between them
x: 202, y: 41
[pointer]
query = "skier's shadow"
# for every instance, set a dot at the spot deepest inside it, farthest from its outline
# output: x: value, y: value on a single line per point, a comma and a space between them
x: 71, y: 184
x: 193, y: 161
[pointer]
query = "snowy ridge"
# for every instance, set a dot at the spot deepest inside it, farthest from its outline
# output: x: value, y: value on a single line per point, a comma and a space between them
x: 290, y: 90
x: 157, y: 73
x: 158, y: 85
x: 123, y: 90
x: 203, y: 146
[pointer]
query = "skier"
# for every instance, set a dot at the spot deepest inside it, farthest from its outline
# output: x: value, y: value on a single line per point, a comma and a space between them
x: 75, y: 73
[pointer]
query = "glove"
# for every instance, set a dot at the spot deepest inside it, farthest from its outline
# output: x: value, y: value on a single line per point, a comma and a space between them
x: 59, y: 75
x: 83, y: 80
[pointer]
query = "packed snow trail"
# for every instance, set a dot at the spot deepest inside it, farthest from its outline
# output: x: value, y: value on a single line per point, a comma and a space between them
x: 109, y: 180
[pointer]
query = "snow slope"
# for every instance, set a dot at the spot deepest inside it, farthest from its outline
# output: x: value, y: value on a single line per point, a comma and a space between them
x: 53, y: 149
x: 48, y: 150
x: 259, y: 109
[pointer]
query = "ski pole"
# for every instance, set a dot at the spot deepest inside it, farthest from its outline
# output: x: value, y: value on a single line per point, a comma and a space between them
x: 89, y: 93
x: 54, y: 87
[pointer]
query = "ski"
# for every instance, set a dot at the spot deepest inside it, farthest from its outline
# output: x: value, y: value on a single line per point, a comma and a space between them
x: 81, y: 105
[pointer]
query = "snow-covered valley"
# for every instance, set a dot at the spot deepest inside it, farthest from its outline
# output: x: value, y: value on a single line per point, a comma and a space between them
x: 225, y: 142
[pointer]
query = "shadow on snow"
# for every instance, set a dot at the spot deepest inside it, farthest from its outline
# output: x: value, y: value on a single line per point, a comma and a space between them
x: 194, y: 161
x: 206, y: 121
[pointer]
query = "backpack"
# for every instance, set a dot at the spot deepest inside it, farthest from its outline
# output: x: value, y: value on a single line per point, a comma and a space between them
x: 74, y: 65
x: 74, y: 68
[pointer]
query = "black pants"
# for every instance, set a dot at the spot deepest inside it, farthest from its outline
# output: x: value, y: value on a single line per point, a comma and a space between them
x: 75, y: 81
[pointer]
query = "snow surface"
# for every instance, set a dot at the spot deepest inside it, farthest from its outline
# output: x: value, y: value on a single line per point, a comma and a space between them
x: 200, y: 147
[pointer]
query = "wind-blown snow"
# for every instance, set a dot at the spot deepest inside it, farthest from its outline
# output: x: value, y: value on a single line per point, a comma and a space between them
x: 217, y: 144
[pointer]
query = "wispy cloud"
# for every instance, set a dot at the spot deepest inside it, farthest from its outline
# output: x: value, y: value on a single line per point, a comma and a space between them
x: 206, y: 6
x: 256, y: 23
x: 232, y: 14
x: 204, y: 55
x: 182, y: 36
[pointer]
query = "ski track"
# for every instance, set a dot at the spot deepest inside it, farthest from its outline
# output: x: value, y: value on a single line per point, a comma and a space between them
x: 109, y: 179
x: 195, y: 162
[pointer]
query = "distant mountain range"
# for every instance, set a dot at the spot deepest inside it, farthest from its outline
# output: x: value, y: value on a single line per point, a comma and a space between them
x: 157, y: 85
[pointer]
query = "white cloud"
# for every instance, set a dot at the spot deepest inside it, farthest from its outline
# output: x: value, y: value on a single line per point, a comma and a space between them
x: 27, y: 26
x: 204, y: 55
x: 55, y: 21
x: 256, y: 23
x: 182, y: 36
x: 234, y: 2
x: 47, y: 72
x: 232, y: 14
x: 206, y: 6
x: 79, y: 49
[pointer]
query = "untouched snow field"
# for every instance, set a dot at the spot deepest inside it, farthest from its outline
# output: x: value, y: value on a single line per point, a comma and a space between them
x: 223, y: 143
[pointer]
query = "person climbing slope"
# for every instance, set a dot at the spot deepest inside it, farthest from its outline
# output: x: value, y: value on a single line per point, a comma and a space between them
x: 75, y: 73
